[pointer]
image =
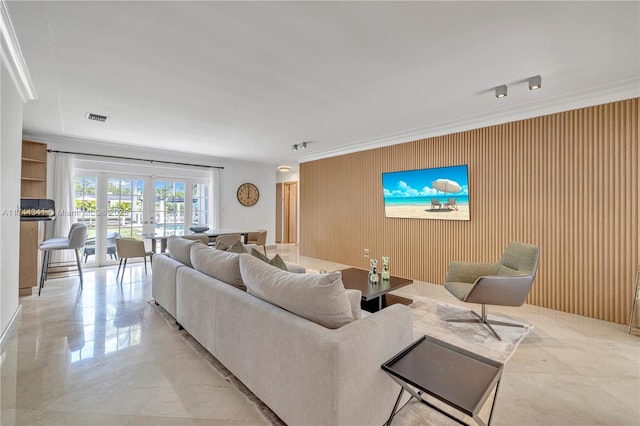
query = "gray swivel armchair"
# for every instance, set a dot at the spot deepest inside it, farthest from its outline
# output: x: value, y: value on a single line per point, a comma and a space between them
x: 504, y: 283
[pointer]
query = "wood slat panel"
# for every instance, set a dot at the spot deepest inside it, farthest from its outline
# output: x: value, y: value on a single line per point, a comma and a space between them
x: 567, y: 182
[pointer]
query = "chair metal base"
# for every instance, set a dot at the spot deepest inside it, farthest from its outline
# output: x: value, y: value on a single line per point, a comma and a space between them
x: 124, y: 266
x: 482, y: 319
x: 44, y: 274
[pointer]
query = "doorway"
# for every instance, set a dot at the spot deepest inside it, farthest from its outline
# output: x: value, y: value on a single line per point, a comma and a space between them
x: 287, y: 212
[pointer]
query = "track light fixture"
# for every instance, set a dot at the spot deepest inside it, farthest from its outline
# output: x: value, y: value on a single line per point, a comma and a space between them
x: 298, y: 146
x: 535, y: 82
x: 501, y: 91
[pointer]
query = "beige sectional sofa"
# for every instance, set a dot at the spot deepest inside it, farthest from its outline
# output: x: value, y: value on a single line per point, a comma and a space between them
x: 307, y: 373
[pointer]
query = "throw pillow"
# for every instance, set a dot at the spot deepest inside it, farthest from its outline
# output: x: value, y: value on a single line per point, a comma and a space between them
x: 275, y: 261
x: 237, y: 247
x: 218, y: 264
x: 320, y: 298
x: 180, y: 249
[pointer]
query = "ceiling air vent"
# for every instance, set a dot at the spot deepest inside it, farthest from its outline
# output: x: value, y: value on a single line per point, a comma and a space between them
x: 96, y: 117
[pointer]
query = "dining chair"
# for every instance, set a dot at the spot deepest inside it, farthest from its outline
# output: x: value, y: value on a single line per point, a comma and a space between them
x: 258, y: 238
x: 128, y: 248
x: 228, y: 239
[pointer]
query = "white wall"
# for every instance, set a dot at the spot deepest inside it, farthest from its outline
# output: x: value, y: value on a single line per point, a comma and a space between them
x: 262, y: 215
x: 231, y: 213
x: 11, y: 106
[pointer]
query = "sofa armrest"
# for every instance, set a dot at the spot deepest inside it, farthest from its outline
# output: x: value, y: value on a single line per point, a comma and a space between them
x: 362, y: 347
x: 163, y: 281
x: 469, y: 272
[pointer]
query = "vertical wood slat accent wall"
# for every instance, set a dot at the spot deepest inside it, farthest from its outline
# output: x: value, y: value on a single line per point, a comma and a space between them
x: 567, y: 182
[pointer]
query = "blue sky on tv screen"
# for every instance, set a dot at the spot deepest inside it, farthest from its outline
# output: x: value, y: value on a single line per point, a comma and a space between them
x: 418, y: 183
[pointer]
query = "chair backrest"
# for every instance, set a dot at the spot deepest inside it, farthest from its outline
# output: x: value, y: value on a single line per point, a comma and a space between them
x: 111, y: 237
x: 452, y: 201
x: 130, y: 247
x: 521, y: 257
x: 77, y: 235
x: 435, y: 202
x: 228, y: 239
x: 73, y: 225
x: 203, y: 238
x: 261, y: 238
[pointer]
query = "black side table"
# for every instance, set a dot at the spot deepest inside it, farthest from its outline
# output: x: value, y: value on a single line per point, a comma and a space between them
x: 459, y: 378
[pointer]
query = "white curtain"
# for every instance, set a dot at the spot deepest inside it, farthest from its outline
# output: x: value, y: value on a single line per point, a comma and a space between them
x: 214, y: 198
x: 64, y: 197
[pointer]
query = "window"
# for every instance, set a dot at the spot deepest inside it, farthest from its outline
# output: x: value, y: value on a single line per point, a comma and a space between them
x: 200, y: 201
x: 169, y: 206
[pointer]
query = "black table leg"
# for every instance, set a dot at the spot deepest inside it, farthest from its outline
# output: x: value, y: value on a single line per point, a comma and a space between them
x: 395, y: 407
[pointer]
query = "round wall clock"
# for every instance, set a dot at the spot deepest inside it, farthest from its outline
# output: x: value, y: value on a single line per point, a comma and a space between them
x: 248, y: 194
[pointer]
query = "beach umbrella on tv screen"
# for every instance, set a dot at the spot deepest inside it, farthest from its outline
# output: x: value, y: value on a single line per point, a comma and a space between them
x: 446, y: 185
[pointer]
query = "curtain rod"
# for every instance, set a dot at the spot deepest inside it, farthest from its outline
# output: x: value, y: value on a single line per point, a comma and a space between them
x: 137, y: 159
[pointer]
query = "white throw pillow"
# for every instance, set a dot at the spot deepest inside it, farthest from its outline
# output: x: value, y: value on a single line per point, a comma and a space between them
x: 218, y: 264
x: 320, y: 298
x: 180, y: 249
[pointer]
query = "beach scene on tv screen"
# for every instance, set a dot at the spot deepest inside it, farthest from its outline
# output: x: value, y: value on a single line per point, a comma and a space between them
x: 436, y: 193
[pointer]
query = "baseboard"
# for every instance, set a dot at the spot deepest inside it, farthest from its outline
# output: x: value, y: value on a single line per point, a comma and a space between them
x: 11, y: 328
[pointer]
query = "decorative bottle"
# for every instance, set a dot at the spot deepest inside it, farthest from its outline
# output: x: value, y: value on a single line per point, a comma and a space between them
x: 373, y: 272
x: 386, y: 275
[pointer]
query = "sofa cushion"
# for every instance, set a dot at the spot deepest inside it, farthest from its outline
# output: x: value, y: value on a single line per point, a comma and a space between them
x: 320, y: 298
x: 274, y: 261
x: 355, y: 298
x: 180, y: 249
x: 237, y: 247
x: 218, y: 264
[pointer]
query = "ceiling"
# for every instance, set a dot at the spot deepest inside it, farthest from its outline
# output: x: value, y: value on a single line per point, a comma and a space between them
x: 247, y: 80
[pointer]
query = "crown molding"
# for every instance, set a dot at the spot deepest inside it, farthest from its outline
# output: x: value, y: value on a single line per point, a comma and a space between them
x: 107, y: 147
x: 618, y: 91
x: 11, y: 55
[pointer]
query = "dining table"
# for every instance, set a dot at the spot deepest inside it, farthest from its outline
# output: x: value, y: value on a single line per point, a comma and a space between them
x: 211, y: 233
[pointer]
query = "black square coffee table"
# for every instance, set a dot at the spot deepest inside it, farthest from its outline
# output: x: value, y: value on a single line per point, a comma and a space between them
x: 461, y: 379
x: 374, y: 296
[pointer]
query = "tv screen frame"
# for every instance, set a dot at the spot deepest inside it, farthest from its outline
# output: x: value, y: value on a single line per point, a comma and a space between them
x: 429, y: 193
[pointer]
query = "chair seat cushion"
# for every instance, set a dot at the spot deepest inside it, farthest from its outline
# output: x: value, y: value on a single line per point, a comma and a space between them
x: 55, y: 245
x: 459, y: 290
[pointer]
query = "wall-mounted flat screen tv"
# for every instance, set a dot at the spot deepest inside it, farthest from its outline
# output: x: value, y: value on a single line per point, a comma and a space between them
x: 437, y: 193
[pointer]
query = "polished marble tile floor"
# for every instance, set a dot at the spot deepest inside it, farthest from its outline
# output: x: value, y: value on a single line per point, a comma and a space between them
x: 104, y: 356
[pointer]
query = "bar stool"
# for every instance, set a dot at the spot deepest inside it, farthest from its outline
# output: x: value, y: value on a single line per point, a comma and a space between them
x: 74, y: 241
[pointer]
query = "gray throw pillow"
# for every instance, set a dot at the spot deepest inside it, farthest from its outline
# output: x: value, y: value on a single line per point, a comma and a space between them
x: 237, y: 247
x: 218, y: 264
x: 320, y: 298
x: 275, y: 261
x: 180, y: 249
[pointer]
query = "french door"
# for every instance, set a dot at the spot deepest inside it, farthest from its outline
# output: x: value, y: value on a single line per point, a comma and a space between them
x: 179, y: 205
x: 120, y: 206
